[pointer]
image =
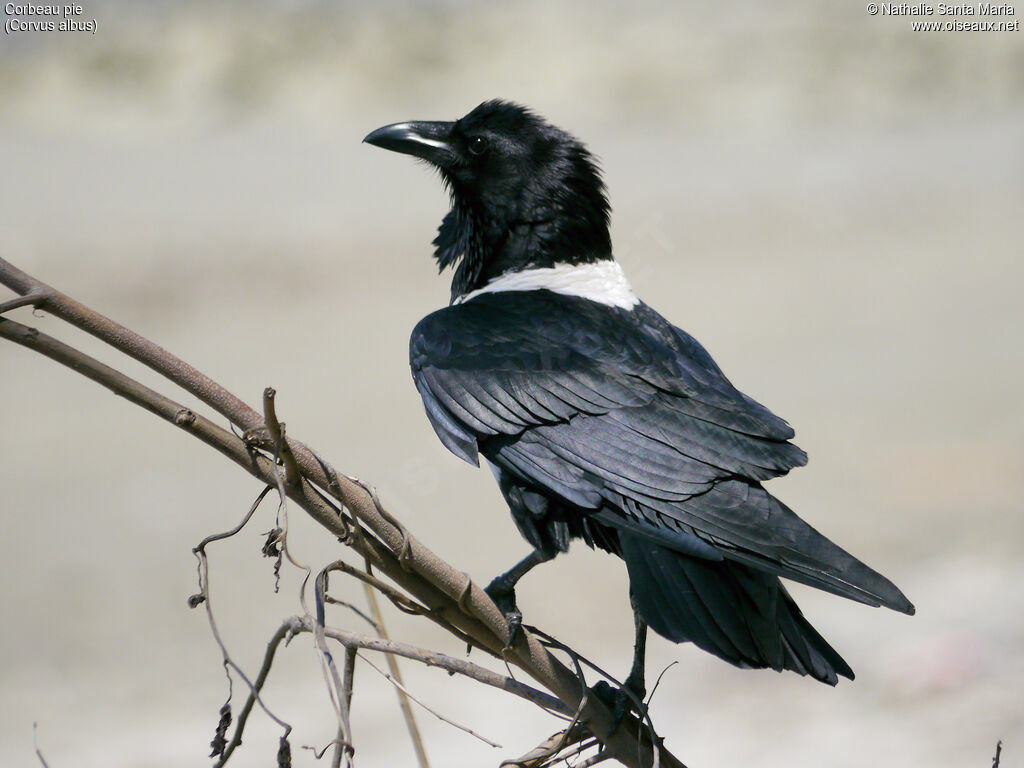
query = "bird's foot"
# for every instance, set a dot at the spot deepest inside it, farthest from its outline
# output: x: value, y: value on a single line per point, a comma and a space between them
x: 504, y: 596
x: 622, y: 701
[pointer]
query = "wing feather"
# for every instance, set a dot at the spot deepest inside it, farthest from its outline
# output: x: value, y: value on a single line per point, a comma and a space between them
x: 613, y: 409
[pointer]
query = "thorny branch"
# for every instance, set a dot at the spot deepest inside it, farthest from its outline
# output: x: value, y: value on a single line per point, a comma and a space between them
x: 344, y: 506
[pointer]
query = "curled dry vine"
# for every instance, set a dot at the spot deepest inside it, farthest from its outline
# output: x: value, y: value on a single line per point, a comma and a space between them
x: 420, y: 581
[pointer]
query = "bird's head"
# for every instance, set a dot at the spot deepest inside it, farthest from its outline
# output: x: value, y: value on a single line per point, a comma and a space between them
x: 525, y: 194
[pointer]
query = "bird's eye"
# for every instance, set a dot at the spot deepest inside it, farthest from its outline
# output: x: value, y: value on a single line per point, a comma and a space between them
x: 477, y: 145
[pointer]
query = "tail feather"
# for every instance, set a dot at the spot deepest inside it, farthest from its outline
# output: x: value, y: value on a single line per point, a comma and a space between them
x: 741, y: 521
x: 726, y: 608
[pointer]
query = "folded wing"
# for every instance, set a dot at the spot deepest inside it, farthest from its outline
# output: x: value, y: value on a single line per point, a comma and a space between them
x: 628, y: 419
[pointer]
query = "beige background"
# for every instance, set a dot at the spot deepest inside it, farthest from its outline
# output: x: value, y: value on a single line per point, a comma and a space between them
x: 830, y: 202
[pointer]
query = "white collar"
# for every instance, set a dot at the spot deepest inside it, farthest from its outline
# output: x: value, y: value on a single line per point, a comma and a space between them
x: 601, y: 281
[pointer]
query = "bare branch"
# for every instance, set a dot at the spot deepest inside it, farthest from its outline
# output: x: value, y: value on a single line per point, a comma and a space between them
x: 204, y: 597
x: 284, y: 632
x: 385, y: 543
x: 349, y: 685
x: 554, y: 748
x: 39, y: 753
x: 33, y: 297
x: 276, y: 429
x: 340, y: 694
x: 434, y: 712
x: 350, y: 672
x: 442, y: 661
x: 244, y: 521
x: 402, y: 602
x: 357, y: 611
x: 130, y: 343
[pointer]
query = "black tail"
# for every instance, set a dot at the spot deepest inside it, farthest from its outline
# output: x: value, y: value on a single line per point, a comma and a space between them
x: 735, y: 612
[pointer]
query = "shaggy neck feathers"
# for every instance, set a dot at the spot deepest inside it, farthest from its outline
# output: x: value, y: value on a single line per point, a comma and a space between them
x: 545, y: 209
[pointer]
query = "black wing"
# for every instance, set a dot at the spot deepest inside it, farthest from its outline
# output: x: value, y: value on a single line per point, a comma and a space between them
x: 620, y: 413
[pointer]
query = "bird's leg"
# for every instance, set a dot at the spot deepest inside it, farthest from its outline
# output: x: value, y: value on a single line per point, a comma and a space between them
x: 502, y: 589
x: 635, y: 682
x: 631, y: 694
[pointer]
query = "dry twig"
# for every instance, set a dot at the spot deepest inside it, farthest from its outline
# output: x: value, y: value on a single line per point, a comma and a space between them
x: 35, y: 729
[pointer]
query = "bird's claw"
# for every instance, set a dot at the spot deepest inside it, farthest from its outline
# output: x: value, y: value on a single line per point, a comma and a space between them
x: 515, y: 627
x: 505, y: 598
x: 621, y: 701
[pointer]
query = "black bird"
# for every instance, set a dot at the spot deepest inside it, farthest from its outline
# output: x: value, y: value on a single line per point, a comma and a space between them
x: 602, y: 421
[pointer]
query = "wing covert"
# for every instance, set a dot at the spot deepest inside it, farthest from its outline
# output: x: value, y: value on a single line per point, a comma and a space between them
x: 639, y: 388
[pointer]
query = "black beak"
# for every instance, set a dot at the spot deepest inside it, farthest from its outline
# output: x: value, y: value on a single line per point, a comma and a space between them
x: 428, y: 141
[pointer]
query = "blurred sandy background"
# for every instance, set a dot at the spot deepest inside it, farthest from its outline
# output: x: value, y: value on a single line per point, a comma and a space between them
x: 830, y: 202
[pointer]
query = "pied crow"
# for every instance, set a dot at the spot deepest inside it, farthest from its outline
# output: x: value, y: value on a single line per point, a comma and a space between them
x: 600, y: 419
